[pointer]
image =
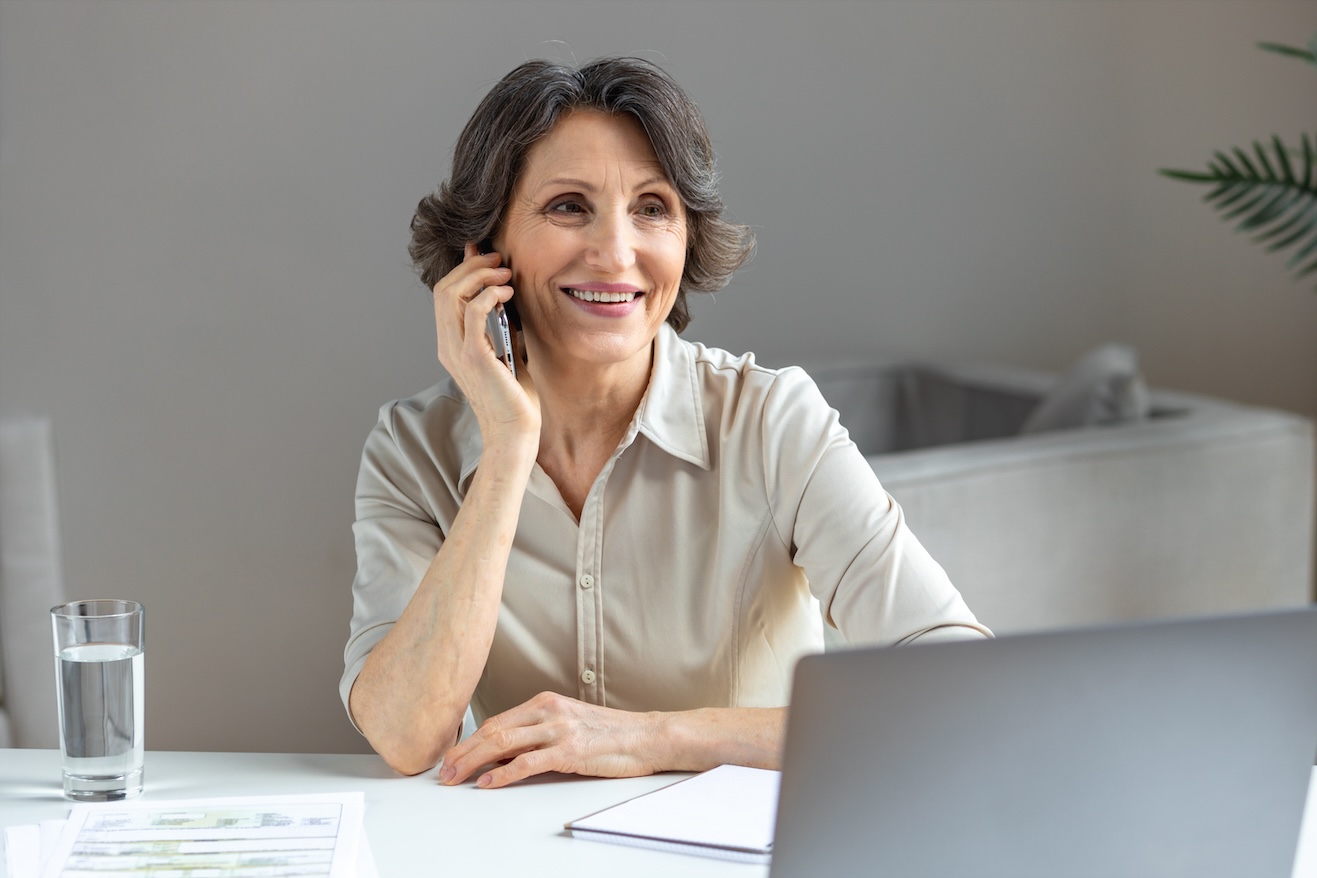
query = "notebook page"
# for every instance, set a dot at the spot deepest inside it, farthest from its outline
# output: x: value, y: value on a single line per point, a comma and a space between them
x: 730, y: 806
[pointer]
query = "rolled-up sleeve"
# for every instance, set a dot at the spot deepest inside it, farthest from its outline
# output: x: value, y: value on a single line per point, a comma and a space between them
x: 875, y: 581
x: 396, y: 540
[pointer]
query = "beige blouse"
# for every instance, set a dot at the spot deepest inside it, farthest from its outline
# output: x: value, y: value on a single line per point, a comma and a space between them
x: 735, y: 506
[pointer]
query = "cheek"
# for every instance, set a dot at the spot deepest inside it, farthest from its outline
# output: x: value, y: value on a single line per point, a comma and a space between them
x: 540, y: 252
x: 679, y: 247
x: 674, y: 257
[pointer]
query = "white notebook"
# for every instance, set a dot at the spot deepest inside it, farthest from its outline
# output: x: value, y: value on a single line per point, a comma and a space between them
x: 727, y: 812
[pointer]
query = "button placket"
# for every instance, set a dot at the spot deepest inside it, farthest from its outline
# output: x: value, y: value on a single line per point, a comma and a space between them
x: 589, y: 597
x: 585, y: 582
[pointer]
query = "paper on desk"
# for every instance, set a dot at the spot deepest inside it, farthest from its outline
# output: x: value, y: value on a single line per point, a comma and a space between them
x: 249, y: 836
x: 727, y: 812
x: 27, y: 848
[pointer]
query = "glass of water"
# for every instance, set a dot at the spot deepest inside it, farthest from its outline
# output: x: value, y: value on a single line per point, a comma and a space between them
x: 99, y: 675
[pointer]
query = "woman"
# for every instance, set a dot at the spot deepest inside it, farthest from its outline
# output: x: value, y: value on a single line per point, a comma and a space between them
x: 612, y: 555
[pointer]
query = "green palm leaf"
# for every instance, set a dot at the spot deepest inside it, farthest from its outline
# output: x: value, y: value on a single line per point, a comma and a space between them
x: 1308, y: 54
x: 1271, y: 195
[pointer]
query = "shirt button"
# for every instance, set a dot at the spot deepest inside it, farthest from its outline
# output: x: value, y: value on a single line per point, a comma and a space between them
x: 587, y: 676
x: 587, y: 581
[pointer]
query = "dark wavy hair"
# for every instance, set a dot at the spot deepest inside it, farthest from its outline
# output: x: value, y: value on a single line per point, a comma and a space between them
x: 522, y: 108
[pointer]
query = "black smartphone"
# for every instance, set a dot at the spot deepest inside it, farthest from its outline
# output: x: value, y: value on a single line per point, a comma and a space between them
x: 500, y: 323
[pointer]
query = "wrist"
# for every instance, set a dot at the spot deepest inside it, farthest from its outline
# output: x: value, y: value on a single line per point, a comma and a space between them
x: 680, y: 744
x: 700, y: 739
x: 511, y: 452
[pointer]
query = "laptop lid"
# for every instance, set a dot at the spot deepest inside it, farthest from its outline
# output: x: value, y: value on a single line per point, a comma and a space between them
x: 1151, y: 749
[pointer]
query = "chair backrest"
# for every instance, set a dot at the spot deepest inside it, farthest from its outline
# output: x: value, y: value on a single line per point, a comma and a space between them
x: 31, y: 580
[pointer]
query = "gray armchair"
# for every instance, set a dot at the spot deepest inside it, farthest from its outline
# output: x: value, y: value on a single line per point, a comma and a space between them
x: 31, y: 582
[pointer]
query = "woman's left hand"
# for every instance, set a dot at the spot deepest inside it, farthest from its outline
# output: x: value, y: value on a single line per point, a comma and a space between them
x: 553, y: 732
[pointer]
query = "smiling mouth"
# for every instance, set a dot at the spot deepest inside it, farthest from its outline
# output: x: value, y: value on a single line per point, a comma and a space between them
x: 594, y: 296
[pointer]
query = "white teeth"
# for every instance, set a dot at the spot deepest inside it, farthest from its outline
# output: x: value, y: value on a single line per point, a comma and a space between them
x: 610, y: 298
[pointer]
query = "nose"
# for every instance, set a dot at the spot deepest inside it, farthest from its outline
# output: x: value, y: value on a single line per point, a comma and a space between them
x: 612, y: 244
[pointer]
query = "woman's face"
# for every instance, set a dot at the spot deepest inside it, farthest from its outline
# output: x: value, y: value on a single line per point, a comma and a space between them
x: 595, y: 235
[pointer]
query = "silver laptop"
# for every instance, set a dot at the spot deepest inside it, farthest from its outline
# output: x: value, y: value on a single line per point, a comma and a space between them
x: 1152, y: 749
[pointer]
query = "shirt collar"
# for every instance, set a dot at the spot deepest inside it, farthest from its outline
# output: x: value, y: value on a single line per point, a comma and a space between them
x: 672, y: 413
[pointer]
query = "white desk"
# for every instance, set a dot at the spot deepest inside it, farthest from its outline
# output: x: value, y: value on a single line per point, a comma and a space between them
x: 416, y: 826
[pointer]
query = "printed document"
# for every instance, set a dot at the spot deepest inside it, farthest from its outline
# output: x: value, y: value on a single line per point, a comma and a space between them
x: 315, y: 835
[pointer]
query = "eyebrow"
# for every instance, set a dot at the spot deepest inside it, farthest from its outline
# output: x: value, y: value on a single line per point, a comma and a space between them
x: 577, y: 183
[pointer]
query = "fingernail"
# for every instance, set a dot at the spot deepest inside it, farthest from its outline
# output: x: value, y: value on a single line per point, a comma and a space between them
x: 446, y: 774
x: 485, y: 780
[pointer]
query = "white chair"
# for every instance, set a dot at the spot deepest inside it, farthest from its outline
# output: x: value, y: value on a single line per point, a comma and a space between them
x: 31, y: 582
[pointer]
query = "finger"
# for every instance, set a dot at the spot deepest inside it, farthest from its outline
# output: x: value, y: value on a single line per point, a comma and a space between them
x: 459, y: 769
x: 486, y: 297
x: 478, y: 309
x: 473, y: 264
x: 494, y: 741
x: 526, y: 765
x: 458, y: 752
x: 471, y: 251
x: 452, y: 304
x: 468, y: 279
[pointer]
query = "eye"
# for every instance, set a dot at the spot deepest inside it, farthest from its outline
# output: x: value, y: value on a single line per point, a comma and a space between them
x: 654, y: 210
x: 566, y: 205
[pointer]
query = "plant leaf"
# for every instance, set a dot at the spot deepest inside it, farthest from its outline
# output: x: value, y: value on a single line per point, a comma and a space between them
x: 1266, y: 165
x: 1227, y: 166
x: 1258, y: 193
x: 1305, y: 220
x: 1220, y: 190
x: 1248, y: 165
x: 1310, y: 247
x: 1309, y: 54
x: 1282, y: 159
x: 1266, y: 198
x: 1279, y: 202
x: 1308, y: 158
x: 1191, y: 176
x: 1238, y: 190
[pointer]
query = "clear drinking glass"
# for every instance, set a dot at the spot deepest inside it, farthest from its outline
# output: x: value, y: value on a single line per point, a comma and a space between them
x: 99, y: 675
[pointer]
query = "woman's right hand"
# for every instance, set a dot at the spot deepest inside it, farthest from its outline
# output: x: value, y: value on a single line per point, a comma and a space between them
x: 504, y: 407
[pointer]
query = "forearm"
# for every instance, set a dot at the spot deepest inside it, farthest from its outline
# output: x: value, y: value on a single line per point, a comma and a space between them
x: 412, y: 692
x: 696, y: 740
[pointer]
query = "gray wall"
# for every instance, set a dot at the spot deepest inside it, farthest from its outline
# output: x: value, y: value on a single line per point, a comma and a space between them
x: 203, y: 276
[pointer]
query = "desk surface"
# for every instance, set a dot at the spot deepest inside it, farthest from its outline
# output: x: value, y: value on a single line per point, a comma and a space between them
x: 418, y: 827
x: 415, y: 826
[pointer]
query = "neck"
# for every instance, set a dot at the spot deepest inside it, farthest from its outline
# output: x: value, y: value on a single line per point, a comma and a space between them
x: 584, y: 405
x: 585, y: 411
